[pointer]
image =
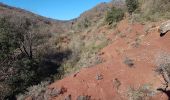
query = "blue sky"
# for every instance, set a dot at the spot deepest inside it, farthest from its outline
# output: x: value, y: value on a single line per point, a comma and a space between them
x: 57, y: 9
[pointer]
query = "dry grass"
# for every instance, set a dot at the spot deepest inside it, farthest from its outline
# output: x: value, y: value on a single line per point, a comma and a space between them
x: 84, y: 50
x: 144, y: 92
x: 162, y: 58
x: 41, y: 92
x: 82, y: 97
x: 162, y: 61
x: 152, y: 10
x: 34, y: 91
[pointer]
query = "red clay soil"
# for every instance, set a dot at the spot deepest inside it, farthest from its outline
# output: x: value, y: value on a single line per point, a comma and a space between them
x: 112, y: 79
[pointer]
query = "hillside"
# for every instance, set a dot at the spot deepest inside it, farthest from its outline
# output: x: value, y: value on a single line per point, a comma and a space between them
x: 24, y: 39
x: 44, y: 47
x: 17, y: 14
x: 110, y: 52
x: 128, y: 71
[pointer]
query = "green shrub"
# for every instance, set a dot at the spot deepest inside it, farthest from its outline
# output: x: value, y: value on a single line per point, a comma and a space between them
x: 152, y: 10
x: 114, y: 15
x: 85, y: 23
x: 21, y: 66
x: 8, y: 42
x: 24, y: 76
x: 132, y: 5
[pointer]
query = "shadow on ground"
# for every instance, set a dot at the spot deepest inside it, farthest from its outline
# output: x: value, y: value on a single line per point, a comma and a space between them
x: 167, y: 92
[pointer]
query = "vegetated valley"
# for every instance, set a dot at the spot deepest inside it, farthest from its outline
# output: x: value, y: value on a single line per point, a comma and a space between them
x: 115, y: 51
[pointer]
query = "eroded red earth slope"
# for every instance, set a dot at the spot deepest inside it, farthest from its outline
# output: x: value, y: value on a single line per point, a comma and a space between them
x: 112, y: 79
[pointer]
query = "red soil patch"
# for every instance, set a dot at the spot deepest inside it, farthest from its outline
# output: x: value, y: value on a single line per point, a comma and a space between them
x: 85, y: 82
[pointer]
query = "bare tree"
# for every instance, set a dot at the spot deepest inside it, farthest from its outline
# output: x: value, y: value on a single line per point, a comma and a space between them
x: 28, y: 38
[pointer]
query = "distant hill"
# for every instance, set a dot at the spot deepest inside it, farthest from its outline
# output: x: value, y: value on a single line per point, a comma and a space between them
x: 17, y: 14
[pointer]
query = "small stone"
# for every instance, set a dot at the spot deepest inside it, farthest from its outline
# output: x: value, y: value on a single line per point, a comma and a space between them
x: 117, y: 83
x: 67, y: 97
x: 99, y: 77
x: 74, y: 75
x: 55, y: 92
